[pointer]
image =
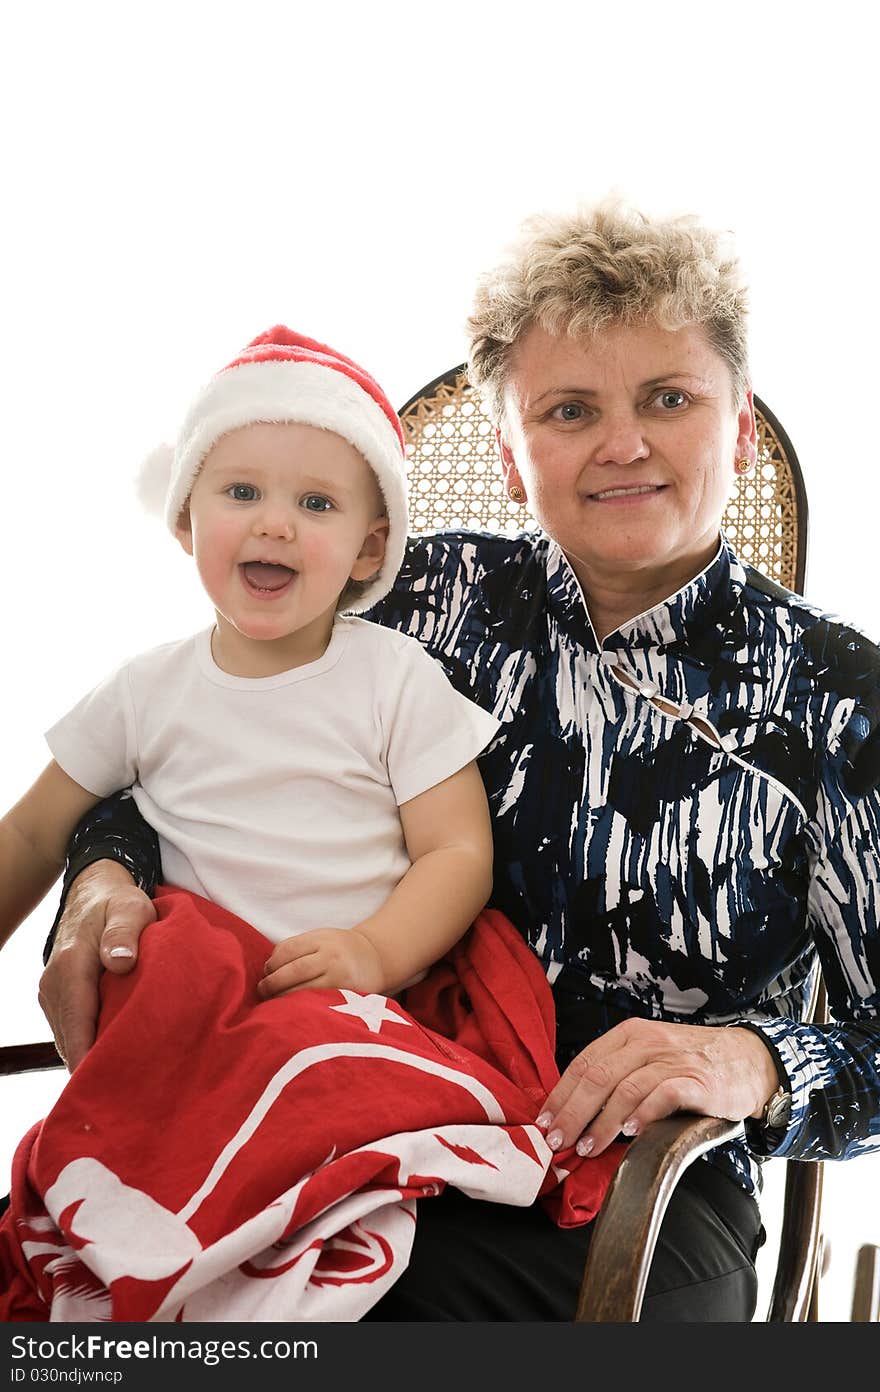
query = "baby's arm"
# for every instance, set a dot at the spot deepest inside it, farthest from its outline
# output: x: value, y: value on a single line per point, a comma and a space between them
x: 33, y: 843
x: 448, y: 837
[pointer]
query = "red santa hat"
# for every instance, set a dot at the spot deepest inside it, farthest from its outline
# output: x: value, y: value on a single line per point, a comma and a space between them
x: 283, y: 377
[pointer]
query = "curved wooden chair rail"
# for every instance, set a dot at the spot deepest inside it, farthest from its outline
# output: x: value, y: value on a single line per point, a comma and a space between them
x: 454, y: 482
x: 626, y: 1231
x: 628, y: 1224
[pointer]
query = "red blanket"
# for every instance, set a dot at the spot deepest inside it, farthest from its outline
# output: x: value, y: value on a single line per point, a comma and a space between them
x: 216, y: 1157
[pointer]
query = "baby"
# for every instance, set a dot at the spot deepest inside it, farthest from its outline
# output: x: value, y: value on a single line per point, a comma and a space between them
x: 308, y: 770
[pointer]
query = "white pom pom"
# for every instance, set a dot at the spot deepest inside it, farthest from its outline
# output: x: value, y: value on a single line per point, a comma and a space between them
x: 153, y: 478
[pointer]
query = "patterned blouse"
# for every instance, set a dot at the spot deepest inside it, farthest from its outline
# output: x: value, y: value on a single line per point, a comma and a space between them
x: 684, y: 814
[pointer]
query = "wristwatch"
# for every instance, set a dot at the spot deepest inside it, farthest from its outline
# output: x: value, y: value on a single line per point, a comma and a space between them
x: 777, y: 1112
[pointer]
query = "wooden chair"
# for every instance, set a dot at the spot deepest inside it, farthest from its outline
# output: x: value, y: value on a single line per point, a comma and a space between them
x: 454, y: 481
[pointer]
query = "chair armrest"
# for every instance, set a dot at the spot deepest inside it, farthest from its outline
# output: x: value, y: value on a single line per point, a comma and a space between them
x: 628, y: 1223
x: 27, y: 1058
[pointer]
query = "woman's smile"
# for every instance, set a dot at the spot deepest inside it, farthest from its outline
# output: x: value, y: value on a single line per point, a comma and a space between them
x: 627, y: 493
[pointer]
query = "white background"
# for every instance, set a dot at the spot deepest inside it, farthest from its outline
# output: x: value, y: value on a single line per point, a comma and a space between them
x: 176, y: 178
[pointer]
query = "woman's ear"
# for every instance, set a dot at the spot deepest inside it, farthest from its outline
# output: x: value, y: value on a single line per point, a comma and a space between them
x: 183, y: 530
x: 510, y: 473
x: 747, y: 430
x: 372, y: 553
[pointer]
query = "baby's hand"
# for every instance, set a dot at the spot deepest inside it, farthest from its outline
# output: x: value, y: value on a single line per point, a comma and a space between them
x: 340, y: 957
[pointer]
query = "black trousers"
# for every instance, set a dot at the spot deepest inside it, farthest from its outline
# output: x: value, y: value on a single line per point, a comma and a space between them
x: 474, y: 1260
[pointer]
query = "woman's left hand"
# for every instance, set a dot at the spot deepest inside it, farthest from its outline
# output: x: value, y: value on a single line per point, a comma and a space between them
x: 642, y: 1070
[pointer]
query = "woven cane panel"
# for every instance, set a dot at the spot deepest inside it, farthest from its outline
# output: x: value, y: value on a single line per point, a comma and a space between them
x: 760, y: 519
x: 455, y: 481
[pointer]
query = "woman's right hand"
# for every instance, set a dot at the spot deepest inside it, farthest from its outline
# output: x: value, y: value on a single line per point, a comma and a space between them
x: 102, y: 921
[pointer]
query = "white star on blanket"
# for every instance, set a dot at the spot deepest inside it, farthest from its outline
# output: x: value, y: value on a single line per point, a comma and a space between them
x: 373, y: 1010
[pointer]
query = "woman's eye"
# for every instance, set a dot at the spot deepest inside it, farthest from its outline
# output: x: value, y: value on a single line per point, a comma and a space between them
x: 243, y: 493
x: 570, y: 411
x: 315, y: 502
x: 670, y: 399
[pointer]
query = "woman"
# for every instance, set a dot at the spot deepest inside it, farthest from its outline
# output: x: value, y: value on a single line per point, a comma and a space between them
x: 684, y: 793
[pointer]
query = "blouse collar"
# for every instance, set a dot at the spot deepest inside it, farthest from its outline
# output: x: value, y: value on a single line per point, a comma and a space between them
x: 704, y: 604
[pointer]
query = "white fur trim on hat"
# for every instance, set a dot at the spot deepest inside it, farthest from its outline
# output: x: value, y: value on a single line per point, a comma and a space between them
x: 152, y: 479
x: 281, y: 392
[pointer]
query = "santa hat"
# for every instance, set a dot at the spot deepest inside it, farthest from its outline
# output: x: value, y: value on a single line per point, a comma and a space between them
x: 283, y: 377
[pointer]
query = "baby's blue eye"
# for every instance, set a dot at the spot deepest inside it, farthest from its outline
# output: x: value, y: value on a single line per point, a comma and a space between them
x: 315, y: 502
x: 243, y: 492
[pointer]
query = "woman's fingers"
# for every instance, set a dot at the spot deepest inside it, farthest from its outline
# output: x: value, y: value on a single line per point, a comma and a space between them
x: 127, y: 912
x: 594, y: 1128
x: 588, y: 1082
x: 70, y: 1000
x: 645, y: 1069
x: 588, y: 1078
x: 645, y: 1096
x: 671, y: 1095
x: 103, y: 918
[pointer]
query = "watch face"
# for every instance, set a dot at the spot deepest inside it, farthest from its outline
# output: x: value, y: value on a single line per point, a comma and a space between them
x: 778, y: 1110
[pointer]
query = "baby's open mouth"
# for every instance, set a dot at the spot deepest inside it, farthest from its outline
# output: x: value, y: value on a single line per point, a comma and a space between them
x: 260, y: 575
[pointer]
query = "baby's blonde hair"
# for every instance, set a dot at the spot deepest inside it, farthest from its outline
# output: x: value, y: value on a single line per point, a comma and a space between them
x: 601, y: 267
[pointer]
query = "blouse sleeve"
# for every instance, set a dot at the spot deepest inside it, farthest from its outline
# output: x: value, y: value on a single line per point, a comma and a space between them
x: 112, y: 830
x: 833, y: 1070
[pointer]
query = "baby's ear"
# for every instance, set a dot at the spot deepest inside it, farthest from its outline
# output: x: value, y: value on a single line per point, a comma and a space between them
x: 183, y: 530
x: 372, y: 553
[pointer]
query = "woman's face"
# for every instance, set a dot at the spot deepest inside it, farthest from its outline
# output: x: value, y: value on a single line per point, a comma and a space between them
x: 625, y: 446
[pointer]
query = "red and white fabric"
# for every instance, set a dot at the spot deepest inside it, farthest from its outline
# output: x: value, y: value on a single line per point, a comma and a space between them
x: 220, y: 1158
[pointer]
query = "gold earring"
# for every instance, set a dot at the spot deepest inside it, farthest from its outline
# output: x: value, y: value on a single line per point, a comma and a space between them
x: 515, y: 494
x: 743, y: 466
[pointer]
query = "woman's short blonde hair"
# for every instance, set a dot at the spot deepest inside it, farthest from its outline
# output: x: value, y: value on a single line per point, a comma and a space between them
x: 603, y: 267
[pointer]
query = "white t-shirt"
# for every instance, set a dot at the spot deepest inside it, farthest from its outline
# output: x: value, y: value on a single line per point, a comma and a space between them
x: 276, y: 797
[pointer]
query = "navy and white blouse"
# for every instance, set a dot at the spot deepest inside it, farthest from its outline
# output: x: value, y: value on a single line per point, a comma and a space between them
x: 684, y: 814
